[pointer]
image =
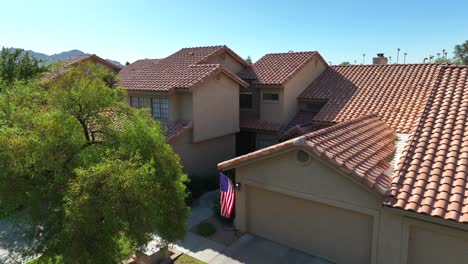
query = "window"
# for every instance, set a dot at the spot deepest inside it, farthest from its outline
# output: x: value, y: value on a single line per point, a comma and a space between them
x: 160, y: 108
x: 245, y: 101
x: 272, y: 97
x: 137, y: 102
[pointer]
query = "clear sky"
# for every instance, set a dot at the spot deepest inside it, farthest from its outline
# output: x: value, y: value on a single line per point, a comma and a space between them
x: 127, y: 30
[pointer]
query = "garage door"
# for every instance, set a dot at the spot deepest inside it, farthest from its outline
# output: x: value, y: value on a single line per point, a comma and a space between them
x: 426, y: 246
x: 335, y: 234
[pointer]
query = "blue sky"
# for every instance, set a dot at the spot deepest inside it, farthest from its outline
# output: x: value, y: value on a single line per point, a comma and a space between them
x: 128, y: 30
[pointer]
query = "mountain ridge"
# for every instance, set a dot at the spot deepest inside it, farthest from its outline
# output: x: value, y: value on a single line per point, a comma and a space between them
x: 61, y: 56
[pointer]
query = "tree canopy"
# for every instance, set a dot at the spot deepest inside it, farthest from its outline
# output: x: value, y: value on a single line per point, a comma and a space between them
x: 461, y: 52
x: 94, y: 175
x: 17, y: 65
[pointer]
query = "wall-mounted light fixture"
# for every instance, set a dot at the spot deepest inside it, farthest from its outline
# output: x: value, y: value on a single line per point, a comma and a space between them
x: 238, y: 186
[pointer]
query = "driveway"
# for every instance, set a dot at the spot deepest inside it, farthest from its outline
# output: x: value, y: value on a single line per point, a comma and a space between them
x: 253, y: 249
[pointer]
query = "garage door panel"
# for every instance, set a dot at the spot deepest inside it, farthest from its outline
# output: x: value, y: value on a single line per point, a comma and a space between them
x: 339, y: 235
x: 429, y: 247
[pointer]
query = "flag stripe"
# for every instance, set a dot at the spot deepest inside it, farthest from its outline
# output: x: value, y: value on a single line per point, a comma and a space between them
x: 227, y: 195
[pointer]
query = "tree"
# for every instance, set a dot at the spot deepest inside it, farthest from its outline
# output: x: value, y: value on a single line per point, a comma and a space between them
x: 95, y: 175
x: 17, y: 65
x: 249, y: 59
x: 345, y: 63
x: 461, y: 53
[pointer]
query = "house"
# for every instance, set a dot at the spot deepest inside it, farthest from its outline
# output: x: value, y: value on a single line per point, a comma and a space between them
x: 269, y: 104
x: 63, y: 66
x: 194, y: 94
x: 386, y: 180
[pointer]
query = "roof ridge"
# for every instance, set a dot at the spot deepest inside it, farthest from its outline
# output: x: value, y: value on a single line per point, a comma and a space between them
x: 290, y: 52
x: 387, y: 65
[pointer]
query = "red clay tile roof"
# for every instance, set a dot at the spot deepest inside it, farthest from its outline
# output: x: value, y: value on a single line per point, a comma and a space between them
x: 357, y: 147
x: 303, y: 122
x: 277, y: 68
x: 432, y: 176
x: 82, y: 58
x: 176, y: 129
x: 257, y: 124
x: 183, y: 69
x: 396, y: 93
x: 137, y: 65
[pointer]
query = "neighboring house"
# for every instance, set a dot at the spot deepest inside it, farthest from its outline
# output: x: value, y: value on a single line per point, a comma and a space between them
x: 61, y: 67
x: 194, y: 93
x: 385, y: 182
x: 269, y: 104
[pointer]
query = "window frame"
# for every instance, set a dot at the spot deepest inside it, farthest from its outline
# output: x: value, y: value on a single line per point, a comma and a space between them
x: 251, y: 101
x: 160, y: 107
x: 140, y: 102
x: 270, y: 100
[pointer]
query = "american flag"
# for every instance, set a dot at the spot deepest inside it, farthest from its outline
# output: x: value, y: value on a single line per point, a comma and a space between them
x: 227, y: 195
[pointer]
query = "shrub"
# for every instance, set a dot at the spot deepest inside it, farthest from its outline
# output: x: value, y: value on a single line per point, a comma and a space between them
x: 206, y: 229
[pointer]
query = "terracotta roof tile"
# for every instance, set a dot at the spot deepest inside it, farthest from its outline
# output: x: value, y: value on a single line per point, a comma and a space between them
x: 396, y: 93
x: 257, y: 124
x: 358, y: 147
x: 137, y: 65
x: 277, y: 68
x: 432, y: 177
x: 183, y: 69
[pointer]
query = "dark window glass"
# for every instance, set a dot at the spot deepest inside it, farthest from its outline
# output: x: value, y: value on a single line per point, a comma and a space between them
x: 271, y: 96
x: 313, y: 107
x: 245, y: 101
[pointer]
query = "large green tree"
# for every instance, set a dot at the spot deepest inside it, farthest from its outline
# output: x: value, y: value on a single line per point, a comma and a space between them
x: 18, y: 65
x: 95, y: 176
x: 461, y: 53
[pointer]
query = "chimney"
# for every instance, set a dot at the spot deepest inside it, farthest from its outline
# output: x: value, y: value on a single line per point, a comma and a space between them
x: 380, y: 59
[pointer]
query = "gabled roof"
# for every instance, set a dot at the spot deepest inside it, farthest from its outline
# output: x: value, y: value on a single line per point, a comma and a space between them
x: 396, y: 93
x: 137, y: 65
x: 72, y: 61
x: 183, y: 69
x: 277, y: 68
x: 432, y: 176
x: 356, y: 147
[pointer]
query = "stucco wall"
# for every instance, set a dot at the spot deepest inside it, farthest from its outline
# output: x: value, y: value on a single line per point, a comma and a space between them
x: 271, y: 111
x: 397, y: 236
x: 229, y: 62
x: 215, y: 108
x: 298, y: 84
x: 200, y: 159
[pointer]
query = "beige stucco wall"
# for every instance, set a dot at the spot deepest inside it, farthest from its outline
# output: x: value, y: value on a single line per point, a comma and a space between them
x: 229, y: 62
x: 215, y: 108
x: 317, y: 189
x: 298, y: 84
x: 200, y: 159
x: 271, y: 111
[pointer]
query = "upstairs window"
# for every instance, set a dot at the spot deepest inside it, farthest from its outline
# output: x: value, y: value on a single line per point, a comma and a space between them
x: 137, y: 102
x: 270, y: 97
x: 245, y: 100
x: 160, y: 108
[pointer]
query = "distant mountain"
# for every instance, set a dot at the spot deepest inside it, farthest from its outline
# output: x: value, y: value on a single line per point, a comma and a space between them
x: 61, y: 56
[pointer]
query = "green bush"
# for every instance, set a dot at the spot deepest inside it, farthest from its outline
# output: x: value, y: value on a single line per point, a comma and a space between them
x: 206, y: 229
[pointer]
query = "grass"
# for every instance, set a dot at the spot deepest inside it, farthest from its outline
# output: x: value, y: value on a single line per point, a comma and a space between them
x: 206, y: 229
x: 186, y: 259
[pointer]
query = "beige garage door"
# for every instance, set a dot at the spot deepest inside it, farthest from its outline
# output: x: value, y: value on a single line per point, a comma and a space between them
x: 332, y: 233
x: 427, y: 247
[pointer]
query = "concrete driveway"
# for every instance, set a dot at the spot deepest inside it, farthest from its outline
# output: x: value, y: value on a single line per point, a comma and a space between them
x: 252, y: 249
